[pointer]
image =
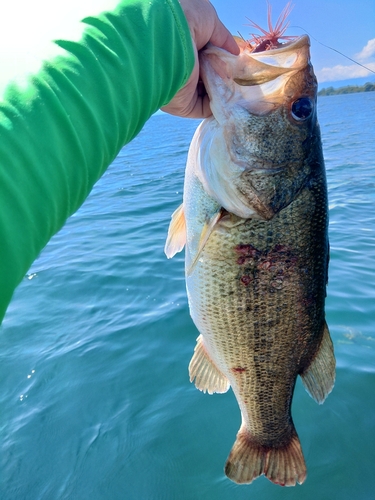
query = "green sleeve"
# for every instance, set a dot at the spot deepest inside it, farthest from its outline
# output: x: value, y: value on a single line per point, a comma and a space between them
x: 58, y: 135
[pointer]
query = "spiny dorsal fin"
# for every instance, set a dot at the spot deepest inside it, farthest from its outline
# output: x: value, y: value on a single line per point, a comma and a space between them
x: 208, y: 378
x: 319, y: 377
x: 176, y: 238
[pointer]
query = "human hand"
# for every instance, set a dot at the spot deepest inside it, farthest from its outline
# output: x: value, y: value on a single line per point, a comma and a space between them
x: 192, y: 101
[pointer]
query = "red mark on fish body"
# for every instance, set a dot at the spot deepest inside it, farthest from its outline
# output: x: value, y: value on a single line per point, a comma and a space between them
x: 246, y: 250
x: 265, y: 265
x: 280, y: 248
x: 244, y: 260
x: 269, y: 268
x: 238, y: 369
x: 246, y: 253
x: 246, y: 280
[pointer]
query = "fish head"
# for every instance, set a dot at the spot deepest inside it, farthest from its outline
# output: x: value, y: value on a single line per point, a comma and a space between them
x: 264, y: 136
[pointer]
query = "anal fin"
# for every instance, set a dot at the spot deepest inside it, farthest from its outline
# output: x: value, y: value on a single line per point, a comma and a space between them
x: 319, y: 377
x: 206, y: 376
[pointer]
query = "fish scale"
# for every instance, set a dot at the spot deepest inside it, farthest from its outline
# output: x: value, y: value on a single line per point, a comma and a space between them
x: 261, y: 317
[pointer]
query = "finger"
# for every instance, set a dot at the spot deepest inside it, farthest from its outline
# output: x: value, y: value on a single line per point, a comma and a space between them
x: 189, y: 103
x: 200, y: 108
x: 222, y: 38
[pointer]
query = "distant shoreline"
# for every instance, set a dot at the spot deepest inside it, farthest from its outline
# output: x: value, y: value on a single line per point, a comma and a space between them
x: 348, y: 89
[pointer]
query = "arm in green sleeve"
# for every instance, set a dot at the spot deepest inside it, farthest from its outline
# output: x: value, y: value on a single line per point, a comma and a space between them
x: 59, y: 134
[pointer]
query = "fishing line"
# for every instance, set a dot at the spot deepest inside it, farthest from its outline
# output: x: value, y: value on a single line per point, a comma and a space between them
x: 328, y: 47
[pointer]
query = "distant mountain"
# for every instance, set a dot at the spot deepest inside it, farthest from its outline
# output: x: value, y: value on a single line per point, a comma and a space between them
x: 348, y: 89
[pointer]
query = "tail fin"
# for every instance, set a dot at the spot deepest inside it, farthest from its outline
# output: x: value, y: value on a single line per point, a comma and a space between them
x: 283, y: 465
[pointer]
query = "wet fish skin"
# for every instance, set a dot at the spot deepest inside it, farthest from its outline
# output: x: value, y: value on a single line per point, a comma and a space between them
x: 261, y: 295
x: 257, y: 261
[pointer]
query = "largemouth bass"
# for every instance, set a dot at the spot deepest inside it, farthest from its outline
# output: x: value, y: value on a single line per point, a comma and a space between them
x: 254, y: 222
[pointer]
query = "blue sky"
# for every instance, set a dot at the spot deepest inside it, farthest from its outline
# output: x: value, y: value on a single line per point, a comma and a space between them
x: 347, y: 25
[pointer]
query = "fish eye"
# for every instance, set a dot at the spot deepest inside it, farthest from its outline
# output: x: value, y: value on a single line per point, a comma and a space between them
x: 302, y: 108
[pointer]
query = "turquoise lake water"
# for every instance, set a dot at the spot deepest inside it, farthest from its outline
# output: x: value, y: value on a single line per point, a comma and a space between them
x: 95, y: 399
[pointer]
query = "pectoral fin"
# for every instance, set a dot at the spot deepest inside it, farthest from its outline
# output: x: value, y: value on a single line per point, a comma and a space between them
x: 208, y: 378
x: 205, y: 234
x: 176, y: 238
x: 319, y: 377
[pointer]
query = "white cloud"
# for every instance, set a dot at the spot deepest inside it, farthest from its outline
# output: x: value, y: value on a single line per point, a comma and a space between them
x: 367, y: 51
x: 341, y: 72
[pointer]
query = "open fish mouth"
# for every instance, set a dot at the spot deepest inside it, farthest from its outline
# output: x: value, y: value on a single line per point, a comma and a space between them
x: 255, y: 80
x: 283, y: 58
x: 293, y: 44
x: 279, y: 45
x: 264, y: 57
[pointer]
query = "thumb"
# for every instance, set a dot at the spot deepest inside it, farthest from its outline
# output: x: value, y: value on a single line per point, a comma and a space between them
x: 222, y: 38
